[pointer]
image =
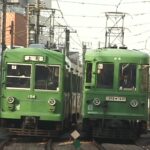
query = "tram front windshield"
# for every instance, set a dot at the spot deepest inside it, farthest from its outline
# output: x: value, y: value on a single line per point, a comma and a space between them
x: 105, y: 75
x: 18, y: 76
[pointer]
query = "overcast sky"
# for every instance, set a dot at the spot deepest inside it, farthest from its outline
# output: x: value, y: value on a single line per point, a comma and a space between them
x: 87, y: 17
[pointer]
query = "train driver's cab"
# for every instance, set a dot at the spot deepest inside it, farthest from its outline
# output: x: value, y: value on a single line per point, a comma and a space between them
x: 105, y: 75
x: 123, y: 76
x: 18, y: 75
x: 127, y: 74
x: 47, y: 77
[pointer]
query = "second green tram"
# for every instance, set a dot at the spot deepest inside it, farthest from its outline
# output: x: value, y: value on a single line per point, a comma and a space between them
x: 115, y: 95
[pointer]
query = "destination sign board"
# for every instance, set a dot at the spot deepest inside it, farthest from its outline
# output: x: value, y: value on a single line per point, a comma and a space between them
x: 116, y: 98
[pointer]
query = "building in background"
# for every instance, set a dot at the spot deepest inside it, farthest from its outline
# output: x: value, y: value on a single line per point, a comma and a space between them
x: 19, y: 29
x: 20, y: 33
x: 16, y: 32
x: 43, y: 3
x: 34, y: 21
x: 74, y: 56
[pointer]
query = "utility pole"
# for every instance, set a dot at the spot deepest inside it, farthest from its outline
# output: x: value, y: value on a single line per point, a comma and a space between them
x: 28, y: 24
x: 12, y: 33
x: 67, y: 42
x: 51, y: 29
x: 37, y: 21
x: 4, y: 25
x: 84, y: 49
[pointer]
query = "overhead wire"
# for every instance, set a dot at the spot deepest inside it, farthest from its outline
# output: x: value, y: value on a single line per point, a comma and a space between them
x: 140, y: 24
x: 61, y: 13
x: 121, y: 2
x: 135, y: 2
x: 85, y: 3
x: 140, y: 33
x: 84, y: 16
x: 101, y: 16
x: 80, y: 43
x: 117, y: 6
x: 89, y: 27
x: 105, y: 4
x: 66, y: 21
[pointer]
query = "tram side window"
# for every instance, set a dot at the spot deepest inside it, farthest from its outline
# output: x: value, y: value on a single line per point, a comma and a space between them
x: 18, y: 76
x: 46, y: 77
x: 88, y: 72
x: 127, y: 76
x: 145, y: 75
x: 105, y: 75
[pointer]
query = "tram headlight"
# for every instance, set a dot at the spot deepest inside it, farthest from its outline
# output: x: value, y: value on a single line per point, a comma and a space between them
x: 11, y: 103
x: 52, y: 102
x: 96, y: 102
x: 134, y: 103
x: 11, y: 100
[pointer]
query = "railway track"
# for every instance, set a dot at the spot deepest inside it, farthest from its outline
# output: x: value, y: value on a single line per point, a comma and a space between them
x: 29, y: 143
x: 98, y: 146
x: 108, y: 146
x: 68, y: 145
x: 26, y: 144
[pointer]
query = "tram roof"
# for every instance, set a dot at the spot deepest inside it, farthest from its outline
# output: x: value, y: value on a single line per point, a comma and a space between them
x: 19, y: 54
x: 114, y: 52
x: 33, y: 51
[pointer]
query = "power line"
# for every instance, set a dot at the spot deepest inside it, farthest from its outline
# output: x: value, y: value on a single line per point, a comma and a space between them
x: 62, y: 13
x: 84, y: 16
x: 85, y: 3
x: 141, y: 33
x: 118, y: 5
x: 89, y: 27
x: 140, y: 14
x: 79, y: 44
x: 140, y: 24
x: 67, y: 23
x: 135, y: 2
x: 98, y: 16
